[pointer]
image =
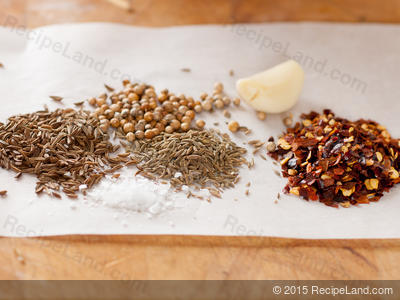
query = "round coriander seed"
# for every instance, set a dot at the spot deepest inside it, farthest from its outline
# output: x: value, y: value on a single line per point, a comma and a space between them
x: 191, y: 114
x: 200, y: 124
x: 219, y: 104
x: 139, y: 134
x: 168, y: 106
x: 115, y: 107
x: 130, y: 136
x: 100, y: 101
x: 182, y: 109
x: 183, y: 102
x: 218, y: 87
x: 169, y: 117
x: 109, y: 113
x: 179, y: 116
x: 162, y: 98
x: 149, y: 134
x: 227, y: 101
x: 271, y: 146
x: 125, y: 113
x: 185, y: 126
x: 92, y: 101
x: 175, y: 124
x: 207, y: 105
x: 132, y: 97
x: 99, y: 111
x: 104, y: 125
x: 128, y: 127
x: 288, y: 121
x: 203, y: 96
x: 198, y: 108
x: 233, y: 126
x: 148, y: 116
x: 157, y: 116
x: 122, y: 123
x: 236, y: 101
x: 104, y: 128
x: 115, y: 122
x: 261, y: 115
x: 160, y: 127
x: 169, y: 129
x: 186, y: 119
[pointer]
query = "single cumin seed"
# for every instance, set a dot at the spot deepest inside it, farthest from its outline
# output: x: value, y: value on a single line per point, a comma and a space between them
x: 56, y: 98
x: 109, y: 88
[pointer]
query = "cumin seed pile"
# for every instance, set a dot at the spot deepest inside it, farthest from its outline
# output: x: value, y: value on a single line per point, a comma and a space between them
x: 64, y: 149
x: 202, y: 159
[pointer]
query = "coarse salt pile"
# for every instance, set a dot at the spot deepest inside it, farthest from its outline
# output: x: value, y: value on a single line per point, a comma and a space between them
x: 137, y: 194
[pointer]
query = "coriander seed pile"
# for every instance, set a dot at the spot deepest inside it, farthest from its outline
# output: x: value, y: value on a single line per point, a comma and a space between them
x: 337, y: 161
x: 142, y: 114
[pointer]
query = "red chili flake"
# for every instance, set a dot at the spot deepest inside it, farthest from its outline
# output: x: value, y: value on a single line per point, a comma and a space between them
x: 337, y: 161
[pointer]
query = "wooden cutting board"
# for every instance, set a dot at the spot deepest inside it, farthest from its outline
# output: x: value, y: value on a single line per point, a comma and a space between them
x: 189, y: 257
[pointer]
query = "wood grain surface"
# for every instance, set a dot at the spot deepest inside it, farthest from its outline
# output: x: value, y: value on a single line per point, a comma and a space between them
x: 189, y: 257
x: 196, y: 257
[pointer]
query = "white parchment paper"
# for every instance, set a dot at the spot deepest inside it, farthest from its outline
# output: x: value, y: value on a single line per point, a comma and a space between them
x: 352, y: 69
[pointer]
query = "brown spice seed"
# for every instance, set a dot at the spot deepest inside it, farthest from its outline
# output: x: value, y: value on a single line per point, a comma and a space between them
x: 233, y: 126
x: 56, y: 195
x: 62, y: 148
x: 215, y: 193
x: 56, y: 98
x: 288, y: 121
x: 3, y: 193
x: 261, y: 115
x: 110, y: 89
x: 271, y: 147
x: 227, y: 114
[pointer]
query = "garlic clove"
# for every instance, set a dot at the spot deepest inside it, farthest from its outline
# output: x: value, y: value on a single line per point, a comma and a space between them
x: 275, y: 90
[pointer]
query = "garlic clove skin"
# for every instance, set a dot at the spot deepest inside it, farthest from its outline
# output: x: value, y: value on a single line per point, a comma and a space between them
x: 275, y: 90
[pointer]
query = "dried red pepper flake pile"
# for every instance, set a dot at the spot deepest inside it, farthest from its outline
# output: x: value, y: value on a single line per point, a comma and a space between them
x: 337, y: 161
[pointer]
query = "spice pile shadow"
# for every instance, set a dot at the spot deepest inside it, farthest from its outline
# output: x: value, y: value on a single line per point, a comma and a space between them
x: 337, y: 161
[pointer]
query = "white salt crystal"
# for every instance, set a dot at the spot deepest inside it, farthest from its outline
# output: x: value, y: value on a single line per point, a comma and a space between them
x: 136, y: 194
